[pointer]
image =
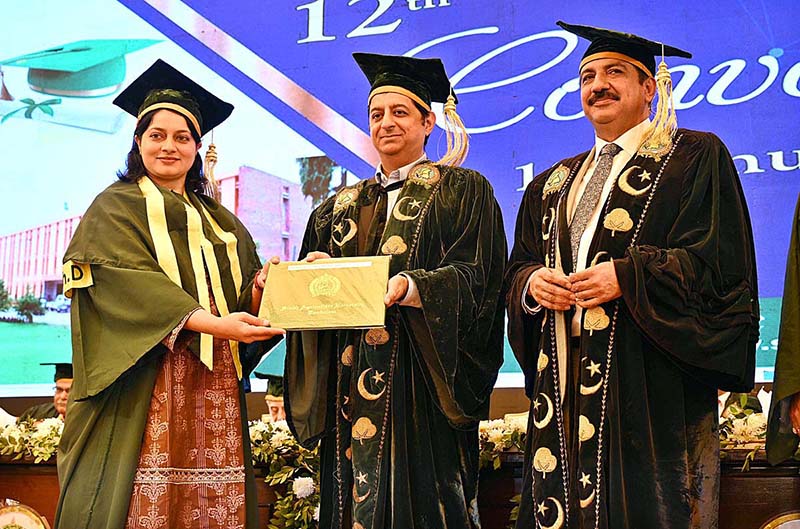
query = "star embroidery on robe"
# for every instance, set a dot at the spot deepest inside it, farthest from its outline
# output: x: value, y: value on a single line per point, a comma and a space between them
x: 645, y: 176
x: 593, y: 368
x: 542, y: 508
x: 585, y: 479
x: 415, y: 203
x: 378, y: 377
x: 536, y: 404
x: 361, y: 478
x: 339, y: 228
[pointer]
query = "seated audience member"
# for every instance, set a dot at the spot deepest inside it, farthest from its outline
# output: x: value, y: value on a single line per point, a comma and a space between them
x: 57, y: 408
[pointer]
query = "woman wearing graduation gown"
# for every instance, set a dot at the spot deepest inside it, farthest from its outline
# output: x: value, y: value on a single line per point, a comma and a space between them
x: 160, y: 276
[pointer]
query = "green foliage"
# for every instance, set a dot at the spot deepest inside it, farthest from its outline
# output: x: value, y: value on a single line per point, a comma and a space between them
x: 5, y: 302
x: 315, y: 177
x: 514, y: 514
x: 499, y: 436
x: 29, y: 306
x: 288, y: 464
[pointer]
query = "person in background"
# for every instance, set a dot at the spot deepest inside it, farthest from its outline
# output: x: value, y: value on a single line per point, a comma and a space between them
x: 274, y: 396
x: 57, y: 408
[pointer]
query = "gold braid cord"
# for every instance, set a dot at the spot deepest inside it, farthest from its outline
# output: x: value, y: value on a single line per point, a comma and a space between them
x: 209, y: 164
x: 457, y: 137
x: 665, y: 122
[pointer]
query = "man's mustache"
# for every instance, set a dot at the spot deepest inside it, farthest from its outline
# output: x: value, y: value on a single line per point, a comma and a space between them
x: 604, y: 94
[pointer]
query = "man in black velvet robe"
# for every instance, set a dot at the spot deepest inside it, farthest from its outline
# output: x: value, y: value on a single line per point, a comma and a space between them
x: 784, y: 416
x: 397, y: 409
x: 631, y: 298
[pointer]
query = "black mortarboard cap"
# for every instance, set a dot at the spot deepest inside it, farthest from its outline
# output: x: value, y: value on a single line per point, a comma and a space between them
x: 606, y: 42
x: 163, y: 84
x: 274, y: 383
x: 63, y: 370
x: 424, y: 78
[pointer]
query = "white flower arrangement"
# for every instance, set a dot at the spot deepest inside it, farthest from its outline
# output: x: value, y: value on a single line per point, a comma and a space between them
x: 501, y: 435
x: 303, y: 487
x: 36, y: 440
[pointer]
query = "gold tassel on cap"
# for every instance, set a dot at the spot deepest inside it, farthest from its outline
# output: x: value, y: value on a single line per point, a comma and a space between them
x: 665, y: 122
x: 457, y: 137
x: 208, y: 169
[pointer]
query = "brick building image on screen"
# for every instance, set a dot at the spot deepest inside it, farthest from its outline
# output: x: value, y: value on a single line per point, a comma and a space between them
x: 274, y: 210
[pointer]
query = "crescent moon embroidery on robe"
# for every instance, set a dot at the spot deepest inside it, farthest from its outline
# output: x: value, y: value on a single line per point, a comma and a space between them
x: 546, y: 231
x: 559, y: 515
x: 548, y: 416
x: 591, y: 390
x: 356, y: 497
x: 362, y: 389
x: 346, y: 403
x: 626, y: 187
x: 597, y: 258
x: 585, y: 502
x: 593, y: 369
x: 413, y: 204
x: 352, y: 230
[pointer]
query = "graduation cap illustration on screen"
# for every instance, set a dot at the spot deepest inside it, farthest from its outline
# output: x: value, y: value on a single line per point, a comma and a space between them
x: 74, y: 78
x: 86, y: 68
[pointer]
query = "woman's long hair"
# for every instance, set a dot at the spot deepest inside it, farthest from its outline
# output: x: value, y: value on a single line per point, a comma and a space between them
x: 134, y: 165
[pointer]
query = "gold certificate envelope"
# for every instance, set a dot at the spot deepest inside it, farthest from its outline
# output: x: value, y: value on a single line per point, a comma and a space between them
x: 340, y: 293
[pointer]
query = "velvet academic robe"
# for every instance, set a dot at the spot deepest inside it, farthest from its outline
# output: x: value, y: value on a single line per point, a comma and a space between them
x: 781, y: 440
x: 641, y: 396
x: 397, y: 409
x: 39, y: 412
x: 118, y: 323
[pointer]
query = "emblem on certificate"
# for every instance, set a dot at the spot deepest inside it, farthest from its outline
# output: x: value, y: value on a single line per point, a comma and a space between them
x: 342, y: 293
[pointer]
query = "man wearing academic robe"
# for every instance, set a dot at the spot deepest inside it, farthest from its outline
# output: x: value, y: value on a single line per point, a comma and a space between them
x: 784, y: 416
x: 631, y: 298
x: 58, y: 406
x: 397, y: 408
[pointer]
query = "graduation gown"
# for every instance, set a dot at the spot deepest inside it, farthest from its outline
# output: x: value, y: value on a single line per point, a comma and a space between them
x: 643, y: 429
x: 135, y: 270
x: 781, y: 440
x: 39, y: 412
x: 397, y: 409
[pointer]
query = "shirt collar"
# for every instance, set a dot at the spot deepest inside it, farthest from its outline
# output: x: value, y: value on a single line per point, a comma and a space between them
x: 399, y: 174
x: 629, y: 141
